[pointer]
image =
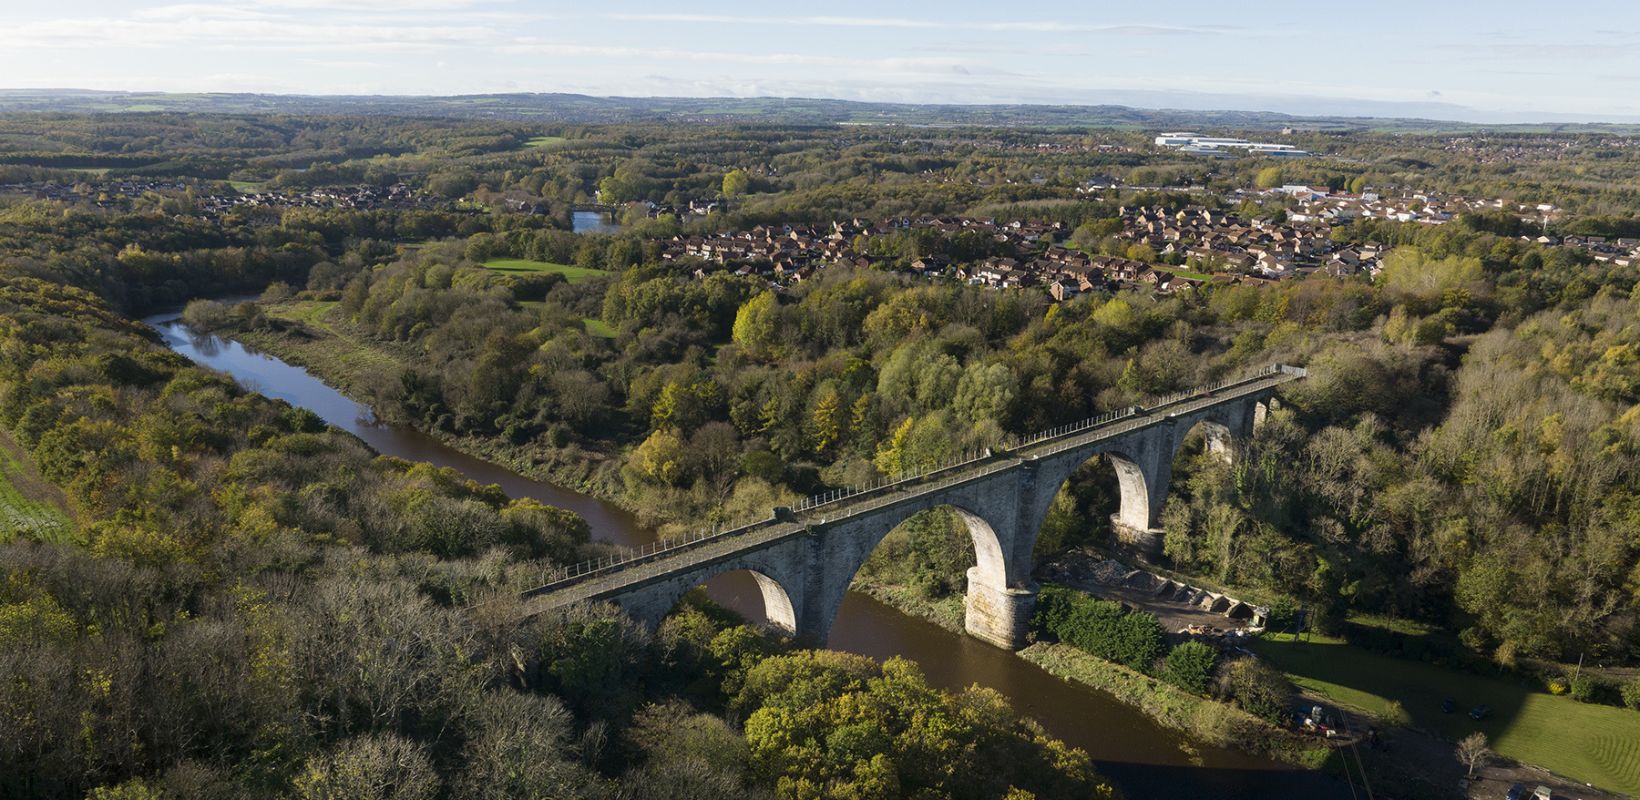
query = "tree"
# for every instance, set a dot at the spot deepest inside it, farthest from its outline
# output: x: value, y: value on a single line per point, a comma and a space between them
x: 1190, y: 666
x: 1255, y: 686
x: 373, y: 767
x: 1473, y: 751
x: 736, y: 182
x: 1268, y: 178
x: 756, y: 325
x: 826, y: 419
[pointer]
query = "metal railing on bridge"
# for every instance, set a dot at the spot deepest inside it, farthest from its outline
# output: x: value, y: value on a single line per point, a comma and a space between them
x: 887, y: 487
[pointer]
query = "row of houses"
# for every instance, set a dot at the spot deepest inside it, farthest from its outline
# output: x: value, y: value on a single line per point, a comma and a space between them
x: 103, y: 193
x: 364, y: 198
x: 1035, y: 255
x: 1321, y: 205
x: 109, y: 194
x: 1212, y: 241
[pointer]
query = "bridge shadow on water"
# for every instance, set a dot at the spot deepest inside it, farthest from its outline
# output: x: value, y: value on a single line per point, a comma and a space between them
x: 1143, y: 759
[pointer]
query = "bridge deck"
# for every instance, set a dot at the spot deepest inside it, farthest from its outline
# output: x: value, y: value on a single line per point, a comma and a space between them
x: 605, y: 581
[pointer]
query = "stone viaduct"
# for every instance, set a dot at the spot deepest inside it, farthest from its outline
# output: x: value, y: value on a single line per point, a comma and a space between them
x: 804, y: 558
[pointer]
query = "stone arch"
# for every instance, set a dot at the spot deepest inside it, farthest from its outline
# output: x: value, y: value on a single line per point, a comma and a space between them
x: 777, y: 603
x: 1218, y: 439
x: 1133, y: 509
x: 654, y: 603
x: 1143, y: 465
x: 849, y: 543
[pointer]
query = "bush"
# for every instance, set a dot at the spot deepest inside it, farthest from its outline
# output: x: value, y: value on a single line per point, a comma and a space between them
x: 1101, y: 627
x: 205, y: 316
x: 1283, y: 614
x: 1557, y: 686
x: 1190, y: 666
x: 1584, y: 688
x: 1257, y: 687
x: 1631, y: 693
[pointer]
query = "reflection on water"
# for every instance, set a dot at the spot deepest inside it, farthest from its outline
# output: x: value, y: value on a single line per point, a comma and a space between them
x: 1144, y: 759
x: 296, y: 386
x: 593, y: 222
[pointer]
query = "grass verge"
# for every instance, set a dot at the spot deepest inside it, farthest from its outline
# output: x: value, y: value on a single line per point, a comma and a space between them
x: 30, y: 507
x: 1590, y: 743
x: 1208, y: 720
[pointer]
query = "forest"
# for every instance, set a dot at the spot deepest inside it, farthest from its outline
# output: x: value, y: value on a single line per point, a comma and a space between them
x: 253, y: 604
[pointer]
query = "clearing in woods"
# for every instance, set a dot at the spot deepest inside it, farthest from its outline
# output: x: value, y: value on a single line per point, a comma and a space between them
x: 29, y: 506
x: 572, y: 273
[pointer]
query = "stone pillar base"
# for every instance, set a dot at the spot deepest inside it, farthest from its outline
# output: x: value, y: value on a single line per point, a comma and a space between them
x: 998, y: 616
x: 1145, y: 541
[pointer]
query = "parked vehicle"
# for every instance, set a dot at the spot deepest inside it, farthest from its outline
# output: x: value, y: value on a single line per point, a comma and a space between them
x: 1516, y: 792
x: 1448, y: 706
x: 1480, y: 711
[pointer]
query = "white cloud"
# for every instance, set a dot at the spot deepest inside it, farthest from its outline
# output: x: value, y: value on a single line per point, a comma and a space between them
x: 373, y: 5
x: 1030, y: 26
x: 201, y: 10
x: 280, y: 33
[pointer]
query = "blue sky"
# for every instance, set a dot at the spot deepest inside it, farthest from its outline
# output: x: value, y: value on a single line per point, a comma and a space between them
x: 1504, y: 60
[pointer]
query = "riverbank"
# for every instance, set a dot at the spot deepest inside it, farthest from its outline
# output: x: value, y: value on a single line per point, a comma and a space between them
x: 1198, y: 717
x: 363, y: 368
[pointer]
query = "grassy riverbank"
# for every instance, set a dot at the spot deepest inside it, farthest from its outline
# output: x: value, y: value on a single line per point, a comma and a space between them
x: 1198, y: 717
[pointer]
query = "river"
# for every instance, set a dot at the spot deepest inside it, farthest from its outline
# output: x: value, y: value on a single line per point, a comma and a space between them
x: 1142, y: 758
x: 593, y: 222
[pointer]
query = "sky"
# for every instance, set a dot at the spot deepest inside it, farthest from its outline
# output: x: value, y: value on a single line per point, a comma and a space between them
x: 1476, y: 60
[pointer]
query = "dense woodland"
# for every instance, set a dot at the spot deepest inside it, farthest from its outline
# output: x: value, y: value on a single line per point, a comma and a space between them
x: 1466, y: 452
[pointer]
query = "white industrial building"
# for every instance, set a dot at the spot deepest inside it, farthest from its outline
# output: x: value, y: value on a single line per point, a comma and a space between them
x: 1219, y: 146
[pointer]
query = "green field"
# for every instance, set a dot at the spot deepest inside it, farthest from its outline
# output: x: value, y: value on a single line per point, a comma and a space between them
x: 1592, y: 743
x: 574, y: 274
x: 594, y: 327
x: 544, y: 141
x: 309, y: 312
x: 23, y: 508
x: 247, y: 187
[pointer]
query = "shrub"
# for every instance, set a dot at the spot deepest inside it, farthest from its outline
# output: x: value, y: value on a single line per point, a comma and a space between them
x: 1283, y: 614
x: 1557, y: 686
x: 1631, y: 693
x: 1584, y: 688
x: 1257, y: 687
x: 1101, y: 627
x: 205, y: 316
x: 1190, y: 666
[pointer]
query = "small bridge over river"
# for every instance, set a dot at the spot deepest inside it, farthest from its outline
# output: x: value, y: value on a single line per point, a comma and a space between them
x: 805, y: 557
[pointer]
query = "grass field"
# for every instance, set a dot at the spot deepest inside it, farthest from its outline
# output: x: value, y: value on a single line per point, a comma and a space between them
x: 1592, y: 743
x: 544, y: 141
x: 248, y: 187
x: 27, y: 503
x: 574, y: 274
x: 336, y: 354
x: 594, y: 327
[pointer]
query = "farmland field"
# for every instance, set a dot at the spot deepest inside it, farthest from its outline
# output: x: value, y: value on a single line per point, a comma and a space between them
x: 544, y: 141
x: 572, y: 273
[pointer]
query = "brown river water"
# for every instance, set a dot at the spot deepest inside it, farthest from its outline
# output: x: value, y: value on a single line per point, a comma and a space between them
x: 1143, y: 759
